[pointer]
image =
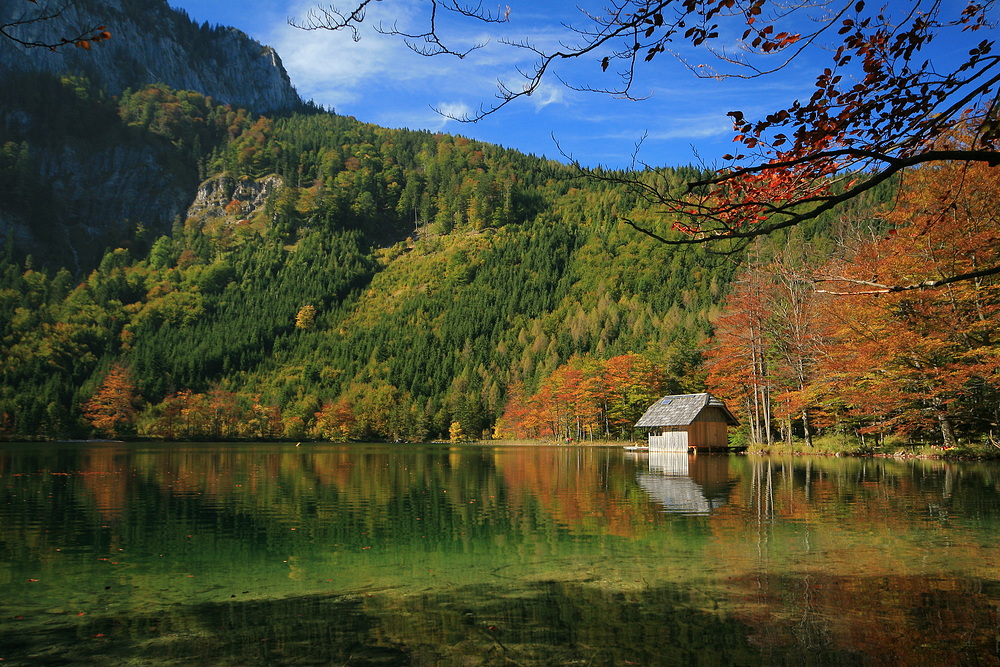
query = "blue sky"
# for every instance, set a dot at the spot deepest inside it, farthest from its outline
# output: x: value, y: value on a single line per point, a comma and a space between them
x: 379, y: 80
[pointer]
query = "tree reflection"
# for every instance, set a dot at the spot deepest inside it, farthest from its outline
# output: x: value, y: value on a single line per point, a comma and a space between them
x: 443, y: 555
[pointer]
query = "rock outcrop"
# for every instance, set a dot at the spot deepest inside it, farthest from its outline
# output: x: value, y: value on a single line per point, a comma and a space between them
x: 218, y: 193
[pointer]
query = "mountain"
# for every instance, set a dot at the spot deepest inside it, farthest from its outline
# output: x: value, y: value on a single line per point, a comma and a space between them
x: 153, y: 43
x: 326, y: 277
x: 174, y: 264
x: 85, y: 185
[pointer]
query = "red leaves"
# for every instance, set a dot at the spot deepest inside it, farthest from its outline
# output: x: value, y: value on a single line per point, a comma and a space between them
x: 784, y: 39
x: 764, y: 41
x: 875, y: 107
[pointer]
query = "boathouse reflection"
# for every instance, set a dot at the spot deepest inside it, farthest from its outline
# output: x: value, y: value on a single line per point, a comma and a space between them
x: 686, y: 483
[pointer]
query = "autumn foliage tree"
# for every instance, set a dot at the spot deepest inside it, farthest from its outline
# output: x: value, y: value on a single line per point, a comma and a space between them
x: 113, y: 407
x: 919, y: 361
x: 847, y: 343
x: 766, y: 345
x: 888, y: 84
x: 218, y: 414
x: 584, y: 398
x: 737, y: 359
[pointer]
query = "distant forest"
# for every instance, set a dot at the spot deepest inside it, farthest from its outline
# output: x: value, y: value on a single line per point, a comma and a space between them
x: 338, y: 280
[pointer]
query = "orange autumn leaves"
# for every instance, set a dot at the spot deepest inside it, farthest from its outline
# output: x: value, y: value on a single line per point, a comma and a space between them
x: 857, y: 342
x: 100, y: 34
x: 114, y: 411
x: 81, y: 38
x: 584, y: 398
x: 113, y: 407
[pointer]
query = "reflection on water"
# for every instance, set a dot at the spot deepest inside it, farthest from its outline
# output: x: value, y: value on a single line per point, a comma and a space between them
x: 685, y: 483
x: 324, y: 554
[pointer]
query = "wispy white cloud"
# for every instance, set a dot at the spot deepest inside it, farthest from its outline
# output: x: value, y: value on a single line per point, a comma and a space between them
x: 548, y: 93
x: 699, y: 127
x: 333, y: 69
x: 453, y: 110
x: 329, y: 67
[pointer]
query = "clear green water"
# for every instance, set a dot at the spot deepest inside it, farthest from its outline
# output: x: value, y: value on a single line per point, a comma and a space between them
x: 208, y: 554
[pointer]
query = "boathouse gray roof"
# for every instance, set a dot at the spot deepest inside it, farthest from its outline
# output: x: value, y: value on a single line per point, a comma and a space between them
x: 682, y: 410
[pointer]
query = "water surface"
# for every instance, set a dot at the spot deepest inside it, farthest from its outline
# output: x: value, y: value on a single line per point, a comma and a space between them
x: 198, y: 554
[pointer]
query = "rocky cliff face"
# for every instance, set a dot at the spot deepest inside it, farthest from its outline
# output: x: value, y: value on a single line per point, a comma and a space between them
x: 83, y: 193
x: 90, y: 192
x: 152, y: 43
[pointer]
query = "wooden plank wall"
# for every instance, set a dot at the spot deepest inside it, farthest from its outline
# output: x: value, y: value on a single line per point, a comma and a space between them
x: 708, y: 434
x: 672, y: 441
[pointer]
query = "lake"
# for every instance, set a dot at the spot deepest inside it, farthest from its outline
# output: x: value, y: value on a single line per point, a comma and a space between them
x: 325, y: 554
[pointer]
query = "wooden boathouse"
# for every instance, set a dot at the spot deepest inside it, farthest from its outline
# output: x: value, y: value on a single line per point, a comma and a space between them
x: 686, y: 422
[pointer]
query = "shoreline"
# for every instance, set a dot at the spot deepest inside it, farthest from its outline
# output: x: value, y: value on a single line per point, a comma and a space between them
x: 897, y: 452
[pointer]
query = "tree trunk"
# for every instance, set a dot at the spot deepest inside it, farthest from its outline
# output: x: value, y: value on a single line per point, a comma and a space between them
x: 947, y: 430
x: 807, y: 429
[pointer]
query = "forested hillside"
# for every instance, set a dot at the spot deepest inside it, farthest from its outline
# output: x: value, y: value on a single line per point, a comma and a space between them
x: 336, y: 280
x: 333, y: 279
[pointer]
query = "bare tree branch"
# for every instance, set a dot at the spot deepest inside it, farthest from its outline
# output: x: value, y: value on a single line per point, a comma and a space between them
x: 879, y: 288
x: 43, y: 14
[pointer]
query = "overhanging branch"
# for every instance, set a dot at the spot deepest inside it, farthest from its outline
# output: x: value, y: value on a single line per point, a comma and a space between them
x: 792, y: 217
x: 879, y: 288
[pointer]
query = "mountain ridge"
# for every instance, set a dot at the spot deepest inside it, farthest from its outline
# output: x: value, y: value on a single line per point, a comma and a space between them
x: 155, y: 43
